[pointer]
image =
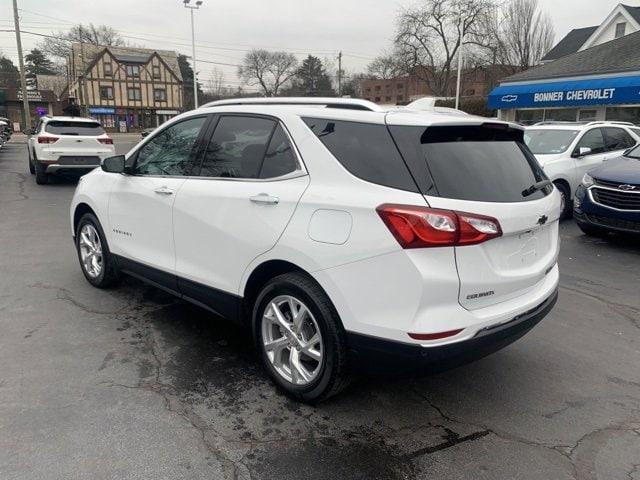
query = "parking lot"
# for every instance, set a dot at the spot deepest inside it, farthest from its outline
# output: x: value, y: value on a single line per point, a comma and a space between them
x: 131, y: 383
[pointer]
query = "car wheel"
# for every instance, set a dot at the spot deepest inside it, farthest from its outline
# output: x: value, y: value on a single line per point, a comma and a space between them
x: 592, y: 230
x: 42, y: 177
x: 566, y: 208
x: 300, y: 338
x: 96, y: 261
x: 32, y: 169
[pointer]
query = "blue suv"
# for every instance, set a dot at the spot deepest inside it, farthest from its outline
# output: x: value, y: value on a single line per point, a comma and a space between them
x: 609, y: 197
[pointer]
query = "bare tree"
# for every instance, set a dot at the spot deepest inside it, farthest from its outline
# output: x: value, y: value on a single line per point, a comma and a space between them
x: 428, y: 38
x: 215, y: 83
x: 60, y: 46
x: 385, y: 67
x: 56, y: 83
x: 521, y: 34
x: 269, y: 70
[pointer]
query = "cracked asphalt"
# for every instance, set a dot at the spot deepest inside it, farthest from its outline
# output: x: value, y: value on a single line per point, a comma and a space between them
x: 130, y: 383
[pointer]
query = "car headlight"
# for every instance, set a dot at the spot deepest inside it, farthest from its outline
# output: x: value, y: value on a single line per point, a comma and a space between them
x: 587, y: 180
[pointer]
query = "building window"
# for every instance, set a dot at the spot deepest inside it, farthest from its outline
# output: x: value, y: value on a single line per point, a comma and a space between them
x: 387, y: 99
x: 156, y: 72
x: 133, y: 70
x: 378, y: 88
x: 621, y: 29
x: 400, y: 86
x: 368, y: 90
x: 377, y: 99
x: 106, y: 93
x: 160, y: 95
x: 400, y: 98
x: 107, y: 70
x: 134, y: 94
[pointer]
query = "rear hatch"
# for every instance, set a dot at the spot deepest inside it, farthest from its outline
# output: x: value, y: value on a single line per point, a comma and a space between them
x: 78, y: 139
x: 485, y: 169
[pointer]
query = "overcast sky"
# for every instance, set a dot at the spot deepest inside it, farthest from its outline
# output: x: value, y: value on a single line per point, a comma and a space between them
x: 225, y: 29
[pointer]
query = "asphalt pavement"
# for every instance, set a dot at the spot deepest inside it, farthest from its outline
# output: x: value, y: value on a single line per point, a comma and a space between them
x: 131, y: 383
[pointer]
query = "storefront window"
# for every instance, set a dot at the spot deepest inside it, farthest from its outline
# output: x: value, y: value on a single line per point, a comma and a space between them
x: 624, y: 114
x: 529, y: 117
x: 561, y: 114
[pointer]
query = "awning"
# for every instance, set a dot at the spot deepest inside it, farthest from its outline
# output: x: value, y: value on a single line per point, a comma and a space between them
x: 594, y: 91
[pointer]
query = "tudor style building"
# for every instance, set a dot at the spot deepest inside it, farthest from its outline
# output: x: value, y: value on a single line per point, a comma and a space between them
x: 125, y: 88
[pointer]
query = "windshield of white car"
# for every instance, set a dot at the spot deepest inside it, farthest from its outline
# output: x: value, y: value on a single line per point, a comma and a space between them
x: 549, y: 142
x: 633, y: 153
x: 85, y: 129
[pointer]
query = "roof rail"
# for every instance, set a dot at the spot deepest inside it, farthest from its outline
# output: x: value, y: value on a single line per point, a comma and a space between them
x: 615, y: 122
x: 557, y: 122
x: 328, y: 102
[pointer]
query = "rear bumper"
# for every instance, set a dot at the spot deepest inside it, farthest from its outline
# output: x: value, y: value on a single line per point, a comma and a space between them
x: 379, y: 356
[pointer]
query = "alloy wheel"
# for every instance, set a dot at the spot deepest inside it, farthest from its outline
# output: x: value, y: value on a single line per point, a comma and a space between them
x: 292, y: 340
x: 90, y: 250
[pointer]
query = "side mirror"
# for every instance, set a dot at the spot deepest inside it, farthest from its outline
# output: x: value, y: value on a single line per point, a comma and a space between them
x: 114, y: 164
x: 581, y: 152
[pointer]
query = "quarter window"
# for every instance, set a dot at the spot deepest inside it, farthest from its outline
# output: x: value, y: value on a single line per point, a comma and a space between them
x: 237, y: 148
x: 594, y: 140
x: 171, y: 151
x: 617, y: 139
x: 280, y: 159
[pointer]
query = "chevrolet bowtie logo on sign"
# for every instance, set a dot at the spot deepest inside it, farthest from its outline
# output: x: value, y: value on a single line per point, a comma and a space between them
x: 509, y: 98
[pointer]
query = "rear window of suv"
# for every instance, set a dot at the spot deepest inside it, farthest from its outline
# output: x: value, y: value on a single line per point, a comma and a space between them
x: 477, y: 163
x: 61, y: 127
x: 366, y: 150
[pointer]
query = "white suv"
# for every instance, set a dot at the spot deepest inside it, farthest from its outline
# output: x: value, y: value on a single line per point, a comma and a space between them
x: 67, y: 145
x: 344, y: 235
x: 568, y: 150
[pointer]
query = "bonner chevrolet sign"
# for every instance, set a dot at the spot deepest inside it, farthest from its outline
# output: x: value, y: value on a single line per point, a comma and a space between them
x: 598, y: 94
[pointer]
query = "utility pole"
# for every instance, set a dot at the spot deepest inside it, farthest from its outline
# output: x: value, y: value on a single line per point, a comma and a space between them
x: 193, y: 48
x: 26, y: 114
x: 340, y: 74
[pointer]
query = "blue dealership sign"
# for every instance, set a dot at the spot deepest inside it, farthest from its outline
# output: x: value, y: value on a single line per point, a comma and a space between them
x: 102, y: 110
x: 593, y: 91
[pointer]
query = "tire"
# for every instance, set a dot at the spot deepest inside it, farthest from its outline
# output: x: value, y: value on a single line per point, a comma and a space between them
x: 42, y: 177
x: 567, y: 203
x: 32, y: 169
x: 331, y: 373
x: 592, y: 230
x: 108, y: 274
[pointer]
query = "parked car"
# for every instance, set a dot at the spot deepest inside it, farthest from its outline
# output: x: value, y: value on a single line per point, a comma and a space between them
x: 345, y: 237
x: 66, y: 145
x: 608, y: 200
x: 567, y: 151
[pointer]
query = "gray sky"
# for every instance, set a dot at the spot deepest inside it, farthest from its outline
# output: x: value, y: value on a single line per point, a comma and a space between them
x: 225, y: 29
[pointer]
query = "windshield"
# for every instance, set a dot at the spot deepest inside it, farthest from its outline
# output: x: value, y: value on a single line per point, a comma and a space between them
x: 549, y: 142
x: 634, y: 153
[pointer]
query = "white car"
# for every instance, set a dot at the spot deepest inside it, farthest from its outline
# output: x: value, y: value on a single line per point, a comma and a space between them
x: 567, y: 151
x: 345, y: 236
x: 67, y: 145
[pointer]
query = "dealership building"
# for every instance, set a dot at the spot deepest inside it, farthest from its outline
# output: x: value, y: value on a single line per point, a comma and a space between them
x: 592, y: 74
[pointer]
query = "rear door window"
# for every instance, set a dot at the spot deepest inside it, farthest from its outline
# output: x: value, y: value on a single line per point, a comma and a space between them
x: 470, y: 162
x: 366, y: 150
x: 87, y: 129
x: 617, y: 139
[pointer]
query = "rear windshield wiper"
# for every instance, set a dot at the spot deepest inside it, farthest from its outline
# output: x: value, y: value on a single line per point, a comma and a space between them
x: 535, y: 187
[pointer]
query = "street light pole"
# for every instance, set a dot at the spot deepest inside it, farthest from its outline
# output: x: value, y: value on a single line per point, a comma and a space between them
x: 193, y: 48
x: 26, y: 114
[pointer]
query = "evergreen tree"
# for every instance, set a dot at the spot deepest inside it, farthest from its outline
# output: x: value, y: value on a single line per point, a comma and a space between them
x: 312, y: 79
x: 9, y: 73
x: 187, y: 79
x: 37, y: 63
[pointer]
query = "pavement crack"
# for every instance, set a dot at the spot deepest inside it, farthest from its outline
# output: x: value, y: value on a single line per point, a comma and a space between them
x: 630, y: 313
x: 455, y: 439
x: 65, y: 295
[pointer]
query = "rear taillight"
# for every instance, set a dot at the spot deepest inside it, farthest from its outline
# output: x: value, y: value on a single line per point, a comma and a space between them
x: 106, y: 141
x: 45, y: 139
x: 422, y: 227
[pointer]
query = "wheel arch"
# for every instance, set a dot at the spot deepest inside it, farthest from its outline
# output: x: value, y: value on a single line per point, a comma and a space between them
x: 564, y: 182
x: 81, y: 209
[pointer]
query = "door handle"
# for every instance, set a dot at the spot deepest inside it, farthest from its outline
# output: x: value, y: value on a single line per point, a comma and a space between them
x: 163, y: 191
x: 264, y: 199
